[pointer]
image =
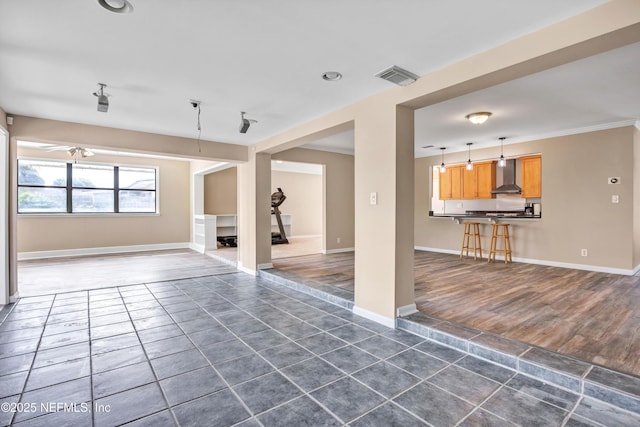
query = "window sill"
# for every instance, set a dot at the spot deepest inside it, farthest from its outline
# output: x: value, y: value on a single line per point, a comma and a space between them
x: 86, y: 215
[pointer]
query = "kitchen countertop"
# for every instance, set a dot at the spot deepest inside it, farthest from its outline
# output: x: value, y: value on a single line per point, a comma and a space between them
x: 489, y: 217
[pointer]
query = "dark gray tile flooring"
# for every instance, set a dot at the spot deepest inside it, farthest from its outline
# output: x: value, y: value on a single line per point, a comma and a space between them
x: 233, y: 349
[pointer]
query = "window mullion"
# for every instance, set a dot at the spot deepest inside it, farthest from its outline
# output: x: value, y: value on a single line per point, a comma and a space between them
x: 69, y: 187
x: 116, y: 189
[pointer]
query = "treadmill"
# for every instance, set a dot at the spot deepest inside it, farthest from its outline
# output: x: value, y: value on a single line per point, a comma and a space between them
x: 277, y: 238
x: 277, y: 198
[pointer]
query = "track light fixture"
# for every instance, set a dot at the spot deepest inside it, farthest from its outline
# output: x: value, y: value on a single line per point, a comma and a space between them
x: 469, y: 164
x: 443, y: 168
x: 103, y: 100
x: 116, y: 6
x: 245, y: 123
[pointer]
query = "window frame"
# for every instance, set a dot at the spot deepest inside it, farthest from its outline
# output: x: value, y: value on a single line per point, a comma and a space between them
x: 70, y: 187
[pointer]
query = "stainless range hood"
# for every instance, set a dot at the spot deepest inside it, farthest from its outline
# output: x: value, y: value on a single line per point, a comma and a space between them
x: 508, y: 179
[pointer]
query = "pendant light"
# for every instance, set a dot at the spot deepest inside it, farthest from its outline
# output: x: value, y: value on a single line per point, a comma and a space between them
x: 502, y: 162
x: 443, y: 168
x: 469, y: 164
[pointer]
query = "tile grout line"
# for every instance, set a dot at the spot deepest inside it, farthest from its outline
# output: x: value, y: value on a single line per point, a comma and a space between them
x: 273, y: 366
x: 35, y: 354
x: 146, y: 355
x: 206, y: 358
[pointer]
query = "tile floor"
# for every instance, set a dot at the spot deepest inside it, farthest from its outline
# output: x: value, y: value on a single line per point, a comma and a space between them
x: 233, y: 349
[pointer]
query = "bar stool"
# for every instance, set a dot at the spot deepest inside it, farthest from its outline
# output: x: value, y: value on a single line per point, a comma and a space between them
x: 471, y: 231
x: 500, y: 231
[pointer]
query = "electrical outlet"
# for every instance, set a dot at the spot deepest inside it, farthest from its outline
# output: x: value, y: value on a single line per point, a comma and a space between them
x: 373, y: 198
x: 584, y: 252
x: 615, y: 198
x: 338, y: 240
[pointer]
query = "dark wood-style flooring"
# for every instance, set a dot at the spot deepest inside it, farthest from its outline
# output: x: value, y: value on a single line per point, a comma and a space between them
x: 591, y: 316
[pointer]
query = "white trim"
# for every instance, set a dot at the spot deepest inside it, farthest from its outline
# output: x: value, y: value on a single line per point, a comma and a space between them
x: 5, y: 232
x: 197, y: 247
x: 386, y: 321
x: 305, y: 236
x: 406, y: 310
x: 597, y: 268
x: 265, y: 266
x: 240, y: 267
x: 22, y: 256
x: 215, y: 168
x: 14, y: 298
x: 337, y: 251
x: 442, y: 251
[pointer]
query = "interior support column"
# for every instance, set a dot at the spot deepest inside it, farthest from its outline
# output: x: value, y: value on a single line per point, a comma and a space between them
x: 254, y: 213
x: 384, y: 200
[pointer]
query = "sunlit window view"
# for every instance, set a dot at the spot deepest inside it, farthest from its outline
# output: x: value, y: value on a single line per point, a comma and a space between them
x: 46, y: 186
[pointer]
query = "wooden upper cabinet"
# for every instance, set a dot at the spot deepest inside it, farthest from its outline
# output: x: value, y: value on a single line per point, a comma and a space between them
x: 445, y: 184
x: 478, y: 182
x: 486, y: 179
x: 470, y: 183
x: 456, y: 182
x: 531, y: 176
x: 451, y: 183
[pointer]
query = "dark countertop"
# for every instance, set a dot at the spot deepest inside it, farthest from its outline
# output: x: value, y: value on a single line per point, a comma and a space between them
x: 490, y: 217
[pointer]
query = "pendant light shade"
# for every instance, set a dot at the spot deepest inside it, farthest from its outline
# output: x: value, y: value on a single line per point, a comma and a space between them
x: 502, y: 162
x: 443, y: 168
x: 469, y: 163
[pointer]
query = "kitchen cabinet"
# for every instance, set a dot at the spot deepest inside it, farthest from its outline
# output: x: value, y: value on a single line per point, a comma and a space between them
x: 531, y: 167
x: 478, y: 182
x: 451, y: 183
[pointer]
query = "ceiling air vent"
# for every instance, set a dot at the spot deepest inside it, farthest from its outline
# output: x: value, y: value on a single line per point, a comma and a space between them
x: 397, y: 75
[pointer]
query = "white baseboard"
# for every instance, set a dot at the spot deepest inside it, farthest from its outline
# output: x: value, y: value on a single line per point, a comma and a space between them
x: 22, y: 256
x: 390, y: 323
x: 244, y: 269
x: 265, y: 266
x: 406, y: 310
x: 197, y: 247
x: 586, y: 267
x: 14, y: 298
x: 337, y: 251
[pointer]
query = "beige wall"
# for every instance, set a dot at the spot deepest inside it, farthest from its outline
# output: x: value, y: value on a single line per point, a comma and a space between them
x: 339, y: 216
x: 303, y: 191
x: 66, y: 133
x: 221, y: 192
x: 3, y: 118
x: 304, y: 201
x: 51, y: 232
x: 577, y: 211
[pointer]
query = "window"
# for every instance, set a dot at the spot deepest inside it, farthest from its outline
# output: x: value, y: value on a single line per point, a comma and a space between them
x: 49, y: 186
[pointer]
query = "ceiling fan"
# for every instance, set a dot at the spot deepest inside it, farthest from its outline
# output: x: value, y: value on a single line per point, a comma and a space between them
x: 74, y: 152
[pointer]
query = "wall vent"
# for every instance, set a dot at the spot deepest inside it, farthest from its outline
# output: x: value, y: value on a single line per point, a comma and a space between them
x: 397, y: 75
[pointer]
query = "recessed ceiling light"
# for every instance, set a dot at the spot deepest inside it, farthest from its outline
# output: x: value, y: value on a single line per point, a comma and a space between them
x: 117, y: 6
x: 478, y: 118
x: 332, y: 76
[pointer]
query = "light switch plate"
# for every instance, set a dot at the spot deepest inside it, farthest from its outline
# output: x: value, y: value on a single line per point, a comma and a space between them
x: 615, y: 198
x: 373, y: 198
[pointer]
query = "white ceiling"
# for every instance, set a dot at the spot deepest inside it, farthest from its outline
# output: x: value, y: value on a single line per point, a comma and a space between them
x: 266, y: 57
